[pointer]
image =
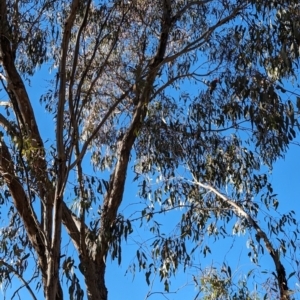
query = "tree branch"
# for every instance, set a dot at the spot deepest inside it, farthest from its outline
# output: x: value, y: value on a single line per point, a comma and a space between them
x: 8, y: 127
x: 205, y: 36
x: 114, y: 195
x: 33, y: 229
x: 12, y: 269
x: 239, y: 212
x: 187, y: 6
x: 27, y: 123
x: 53, y: 267
x: 96, y: 130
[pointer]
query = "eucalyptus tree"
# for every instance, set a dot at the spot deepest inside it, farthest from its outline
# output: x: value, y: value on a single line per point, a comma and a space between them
x: 186, y: 92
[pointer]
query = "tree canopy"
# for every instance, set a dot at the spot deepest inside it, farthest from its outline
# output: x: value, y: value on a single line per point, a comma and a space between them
x: 193, y: 99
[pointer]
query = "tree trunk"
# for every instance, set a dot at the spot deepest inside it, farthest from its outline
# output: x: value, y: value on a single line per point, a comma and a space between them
x: 94, y: 275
